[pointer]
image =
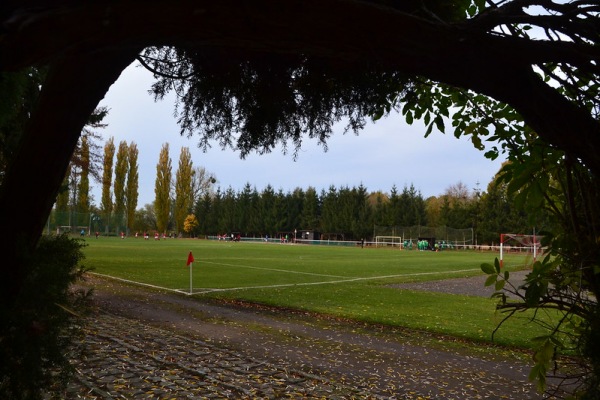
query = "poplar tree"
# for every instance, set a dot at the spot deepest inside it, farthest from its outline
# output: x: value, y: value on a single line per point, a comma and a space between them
x: 131, y: 192
x: 107, y: 175
x: 162, y: 189
x: 83, y: 190
x: 121, y: 167
x: 183, y: 189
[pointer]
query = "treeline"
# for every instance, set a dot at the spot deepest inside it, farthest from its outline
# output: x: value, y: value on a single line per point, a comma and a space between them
x: 352, y: 213
x: 187, y: 203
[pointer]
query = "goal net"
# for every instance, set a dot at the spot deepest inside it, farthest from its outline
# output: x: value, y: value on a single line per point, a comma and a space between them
x: 383, y: 241
x: 512, y: 242
x: 450, y: 237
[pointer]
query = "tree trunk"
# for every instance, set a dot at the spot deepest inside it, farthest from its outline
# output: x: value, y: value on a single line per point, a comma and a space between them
x: 72, y: 90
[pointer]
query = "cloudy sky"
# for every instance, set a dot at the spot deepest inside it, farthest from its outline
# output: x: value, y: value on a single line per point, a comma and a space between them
x: 386, y: 153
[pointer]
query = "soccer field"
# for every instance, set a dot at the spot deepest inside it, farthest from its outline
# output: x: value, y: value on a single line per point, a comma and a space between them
x: 235, y: 266
x: 348, y: 282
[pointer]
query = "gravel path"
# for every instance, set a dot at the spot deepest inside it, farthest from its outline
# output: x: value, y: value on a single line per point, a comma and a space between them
x: 147, y: 344
x: 473, y: 286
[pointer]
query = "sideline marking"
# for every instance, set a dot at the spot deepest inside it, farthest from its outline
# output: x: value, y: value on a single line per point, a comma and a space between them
x: 136, y: 282
x: 204, y: 291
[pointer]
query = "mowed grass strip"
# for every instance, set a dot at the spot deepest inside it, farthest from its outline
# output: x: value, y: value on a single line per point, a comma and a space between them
x: 345, y: 282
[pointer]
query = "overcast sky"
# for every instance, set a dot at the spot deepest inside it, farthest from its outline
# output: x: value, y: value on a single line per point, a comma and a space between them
x: 386, y: 153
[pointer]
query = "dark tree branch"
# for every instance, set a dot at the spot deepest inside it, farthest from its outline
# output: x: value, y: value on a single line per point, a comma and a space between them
x: 142, y: 60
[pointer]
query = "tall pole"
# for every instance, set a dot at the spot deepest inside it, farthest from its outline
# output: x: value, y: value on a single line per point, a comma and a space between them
x: 190, y: 263
x: 501, y: 244
x: 534, y: 245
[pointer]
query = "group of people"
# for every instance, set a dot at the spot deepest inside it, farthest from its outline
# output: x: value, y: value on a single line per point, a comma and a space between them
x: 157, y: 236
x: 422, y: 244
x: 82, y: 233
x: 231, y: 237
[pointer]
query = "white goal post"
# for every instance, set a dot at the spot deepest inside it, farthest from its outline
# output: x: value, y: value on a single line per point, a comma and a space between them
x: 388, y: 241
x: 530, y: 243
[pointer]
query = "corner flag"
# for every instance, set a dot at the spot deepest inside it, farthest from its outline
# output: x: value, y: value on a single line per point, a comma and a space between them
x: 190, y: 260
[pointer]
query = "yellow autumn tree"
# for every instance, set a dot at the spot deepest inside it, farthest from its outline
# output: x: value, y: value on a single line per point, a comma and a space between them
x: 190, y: 224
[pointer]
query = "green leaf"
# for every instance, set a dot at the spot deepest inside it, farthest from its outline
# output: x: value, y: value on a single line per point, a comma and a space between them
x: 472, y: 11
x: 476, y: 140
x: 429, y: 129
x: 377, y: 116
x: 519, y: 180
x: 535, y: 196
x: 532, y: 295
x: 500, y: 285
x: 491, y: 154
x: 497, y: 265
x: 538, y: 373
x: 427, y: 117
x: 488, y: 268
x: 491, y: 280
x: 534, y: 373
x: 439, y: 123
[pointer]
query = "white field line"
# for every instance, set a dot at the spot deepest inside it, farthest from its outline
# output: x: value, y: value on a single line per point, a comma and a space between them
x: 207, y: 290
x: 137, y: 283
x: 330, y: 282
x: 273, y: 269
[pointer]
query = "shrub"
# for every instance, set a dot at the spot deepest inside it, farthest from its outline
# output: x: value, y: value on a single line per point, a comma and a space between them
x: 38, y: 330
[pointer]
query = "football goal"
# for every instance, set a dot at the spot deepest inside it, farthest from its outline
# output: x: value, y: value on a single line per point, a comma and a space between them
x: 385, y: 241
x: 511, y: 242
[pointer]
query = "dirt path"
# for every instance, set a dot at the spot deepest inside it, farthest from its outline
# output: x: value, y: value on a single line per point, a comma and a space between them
x: 165, y: 345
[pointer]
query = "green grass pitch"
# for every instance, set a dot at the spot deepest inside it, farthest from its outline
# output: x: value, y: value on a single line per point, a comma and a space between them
x: 347, y: 282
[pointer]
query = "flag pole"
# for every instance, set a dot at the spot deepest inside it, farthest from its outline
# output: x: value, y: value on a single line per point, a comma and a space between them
x: 190, y: 262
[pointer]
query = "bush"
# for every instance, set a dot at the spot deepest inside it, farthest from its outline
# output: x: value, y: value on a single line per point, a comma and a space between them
x: 37, y: 332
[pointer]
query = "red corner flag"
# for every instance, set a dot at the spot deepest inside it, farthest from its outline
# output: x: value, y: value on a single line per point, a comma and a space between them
x: 190, y: 259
